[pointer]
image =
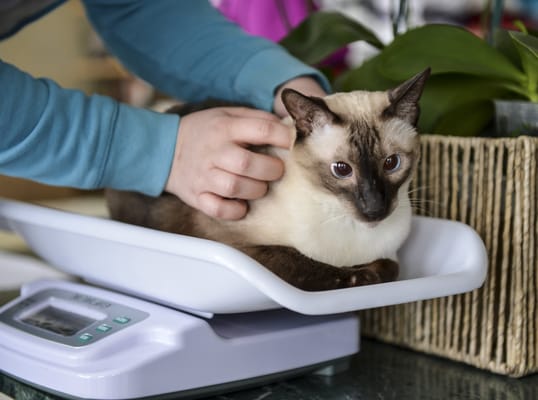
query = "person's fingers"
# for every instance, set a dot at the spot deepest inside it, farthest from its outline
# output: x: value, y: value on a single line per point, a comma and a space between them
x: 214, y: 171
x: 243, y: 162
x: 218, y: 207
x: 233, y: 186
x: 259, y: 131
x: 245, y: 112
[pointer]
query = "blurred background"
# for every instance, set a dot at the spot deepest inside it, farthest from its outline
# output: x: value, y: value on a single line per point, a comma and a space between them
x: 63, y: 46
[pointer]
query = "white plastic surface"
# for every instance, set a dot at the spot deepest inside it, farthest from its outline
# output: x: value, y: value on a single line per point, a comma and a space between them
x: 439, y: 258
x: 171, y: 351
x: 18, y: 269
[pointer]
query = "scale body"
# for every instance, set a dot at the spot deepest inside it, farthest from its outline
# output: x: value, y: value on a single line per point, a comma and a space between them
x: 176, y: 315
x: 84, y: 342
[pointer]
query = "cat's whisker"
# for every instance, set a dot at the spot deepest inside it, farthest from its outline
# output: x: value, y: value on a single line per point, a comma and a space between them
x: 333, y: 218
x: 422, y: 211
x: 416, y: 195
x: 418, y: 189
x: 425, y: 207
x: 426, y: 203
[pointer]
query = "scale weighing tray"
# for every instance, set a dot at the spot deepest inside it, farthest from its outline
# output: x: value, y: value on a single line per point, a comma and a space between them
x: 439, y: 258
x: 70, y: 339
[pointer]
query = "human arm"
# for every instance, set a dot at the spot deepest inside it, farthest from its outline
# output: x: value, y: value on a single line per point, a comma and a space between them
x: 188, y: 50
x: 204, y: 55
x: 68, y: 139
x: 63, y: 137
x: 213, y: 170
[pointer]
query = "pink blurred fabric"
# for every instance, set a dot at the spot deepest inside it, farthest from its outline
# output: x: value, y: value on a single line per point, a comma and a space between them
x: 271, y: 19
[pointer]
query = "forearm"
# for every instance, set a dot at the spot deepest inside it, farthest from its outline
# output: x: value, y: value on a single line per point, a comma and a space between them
x: 63, y: 137
x: 190, y: 51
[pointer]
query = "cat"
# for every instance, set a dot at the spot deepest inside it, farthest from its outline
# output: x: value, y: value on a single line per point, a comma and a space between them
x: 340, y: 212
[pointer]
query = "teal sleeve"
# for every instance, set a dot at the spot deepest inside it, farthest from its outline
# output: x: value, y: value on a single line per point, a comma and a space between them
x: 183, y: 47
x: 63, y: 137
x: 188, y: 50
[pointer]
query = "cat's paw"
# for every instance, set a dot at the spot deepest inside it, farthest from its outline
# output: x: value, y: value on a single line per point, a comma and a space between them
x: 361, y: 277
x: 379, y: 271
x: 387, y: 269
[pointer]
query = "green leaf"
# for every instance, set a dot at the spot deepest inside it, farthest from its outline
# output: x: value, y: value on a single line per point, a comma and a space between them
x: 521, y: 26
x: 468, y: 119
x: 365, y: 77
x: 323, y: 33
x: 505, y: 44
x: 448, y: 92
x: 444, y: 95
x: 446, y: 49
x: 527, y: 46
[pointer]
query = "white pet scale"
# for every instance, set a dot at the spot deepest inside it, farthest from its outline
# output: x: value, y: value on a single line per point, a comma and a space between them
x: 185, y: 316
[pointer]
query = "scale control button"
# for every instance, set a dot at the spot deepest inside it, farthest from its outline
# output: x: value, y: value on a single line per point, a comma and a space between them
x: 86, y: 337
x: 122, y: 320
x: 103, y: 328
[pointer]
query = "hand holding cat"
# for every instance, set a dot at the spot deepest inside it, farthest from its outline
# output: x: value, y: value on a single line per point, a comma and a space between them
x: 214, y: 171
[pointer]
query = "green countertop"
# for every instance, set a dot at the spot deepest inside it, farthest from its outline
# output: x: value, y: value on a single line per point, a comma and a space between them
x: 378, y: 372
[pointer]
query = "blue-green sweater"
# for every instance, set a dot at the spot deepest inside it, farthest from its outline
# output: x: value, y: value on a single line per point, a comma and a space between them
x: 183, y: 47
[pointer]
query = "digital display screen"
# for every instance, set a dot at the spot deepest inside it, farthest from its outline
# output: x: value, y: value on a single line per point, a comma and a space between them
x: 59, y: 321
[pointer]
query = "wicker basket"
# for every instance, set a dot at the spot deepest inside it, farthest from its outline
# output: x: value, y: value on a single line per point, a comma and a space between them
x: 490, y: 184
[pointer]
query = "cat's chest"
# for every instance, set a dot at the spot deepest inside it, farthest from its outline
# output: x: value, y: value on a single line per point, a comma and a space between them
x: 339, y: 239
x: 320, y: 227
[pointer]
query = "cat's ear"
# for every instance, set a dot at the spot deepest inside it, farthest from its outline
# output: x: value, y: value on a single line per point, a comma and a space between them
x: 404, y: 98
x: 307, y: 112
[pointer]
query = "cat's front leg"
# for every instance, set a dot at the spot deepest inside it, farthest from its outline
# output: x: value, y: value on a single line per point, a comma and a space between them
x: 311, y: 275
x: 386, y: 269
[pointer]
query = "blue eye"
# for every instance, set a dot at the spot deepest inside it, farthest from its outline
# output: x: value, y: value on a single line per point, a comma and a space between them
x: 341, y: 170
x: 392, y: 163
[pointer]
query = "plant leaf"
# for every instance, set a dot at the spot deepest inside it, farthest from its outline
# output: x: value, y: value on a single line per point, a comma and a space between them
x: 527, y: 46
x: 322, y: 33
x: 443, y: 96
x: 448, y: 92
x: 504, y: 43
x: 459, y: 121
x: 446, y: 49
x: 365, y: 77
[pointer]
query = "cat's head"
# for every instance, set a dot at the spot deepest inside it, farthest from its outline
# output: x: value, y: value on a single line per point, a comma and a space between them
x: 362, y: 146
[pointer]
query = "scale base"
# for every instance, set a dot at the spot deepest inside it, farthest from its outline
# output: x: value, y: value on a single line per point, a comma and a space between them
x: 325, y: 369
x: 161, y: 351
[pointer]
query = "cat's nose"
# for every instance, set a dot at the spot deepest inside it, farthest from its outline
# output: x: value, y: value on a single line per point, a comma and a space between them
x: 371, y: 202
x: 376, y: 214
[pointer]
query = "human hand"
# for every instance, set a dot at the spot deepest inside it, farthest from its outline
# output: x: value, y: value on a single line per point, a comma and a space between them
x: 214, y: 171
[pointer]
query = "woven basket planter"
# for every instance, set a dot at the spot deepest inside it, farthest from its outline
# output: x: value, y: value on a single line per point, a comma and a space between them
x: 491, y: 185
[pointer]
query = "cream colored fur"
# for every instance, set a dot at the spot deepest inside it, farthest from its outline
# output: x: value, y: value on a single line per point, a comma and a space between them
x: 333, y: 234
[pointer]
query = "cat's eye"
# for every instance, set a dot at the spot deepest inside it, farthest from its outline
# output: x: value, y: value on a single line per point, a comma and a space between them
x: 341, y: 169
x: 392, y: 163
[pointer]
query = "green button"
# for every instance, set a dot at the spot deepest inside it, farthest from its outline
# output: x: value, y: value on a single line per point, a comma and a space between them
x: 103, y: 328
x: 86, y: 337
x: 122, y: 320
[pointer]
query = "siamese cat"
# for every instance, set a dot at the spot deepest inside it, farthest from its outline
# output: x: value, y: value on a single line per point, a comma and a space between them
x: 340, y: 212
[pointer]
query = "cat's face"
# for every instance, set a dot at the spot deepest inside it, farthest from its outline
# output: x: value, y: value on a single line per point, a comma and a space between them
x: 361, y: 146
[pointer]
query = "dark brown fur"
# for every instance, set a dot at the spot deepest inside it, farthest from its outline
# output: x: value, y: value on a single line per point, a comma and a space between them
x: 168, y: 213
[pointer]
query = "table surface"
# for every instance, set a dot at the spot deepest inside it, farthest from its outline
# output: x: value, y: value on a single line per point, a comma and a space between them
x: 379, y: 372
